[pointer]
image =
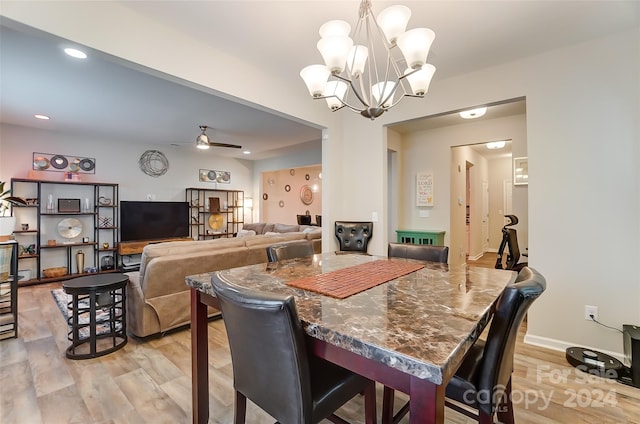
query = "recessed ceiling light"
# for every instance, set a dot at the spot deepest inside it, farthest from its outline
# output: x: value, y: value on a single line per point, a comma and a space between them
x: 247, y: 152
x: 473, y: 113
x: 43, y: 117
x: 75, y: 53
x: 496, y: 144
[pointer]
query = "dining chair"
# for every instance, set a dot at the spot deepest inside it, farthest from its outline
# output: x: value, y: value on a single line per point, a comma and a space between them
x: 272, y: 366
x: 353, y: 236
x: 304, y: 219
x: 481, y: 387
x: 422, y: 252
x: 291, y: 250
x: 319, y: 220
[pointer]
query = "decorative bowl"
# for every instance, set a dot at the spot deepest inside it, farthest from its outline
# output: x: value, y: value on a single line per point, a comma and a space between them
x: 55, y: 272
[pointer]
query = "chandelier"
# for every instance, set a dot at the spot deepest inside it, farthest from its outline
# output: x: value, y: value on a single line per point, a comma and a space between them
x: 352, y: 77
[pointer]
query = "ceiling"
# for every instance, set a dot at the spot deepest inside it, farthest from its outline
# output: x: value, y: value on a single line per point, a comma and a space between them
x: 107, y: 97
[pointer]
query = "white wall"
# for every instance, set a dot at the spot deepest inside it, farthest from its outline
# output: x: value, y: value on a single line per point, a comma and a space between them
x: 117, y: 162
x: 582, y: 142
x: 430, y: 151
x: 582, y: 134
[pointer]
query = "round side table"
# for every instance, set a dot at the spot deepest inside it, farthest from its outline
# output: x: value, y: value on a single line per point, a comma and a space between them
x: 97, y: 314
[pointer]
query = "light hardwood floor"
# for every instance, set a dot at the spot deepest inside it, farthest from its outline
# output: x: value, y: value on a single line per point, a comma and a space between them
x: 150, y: 381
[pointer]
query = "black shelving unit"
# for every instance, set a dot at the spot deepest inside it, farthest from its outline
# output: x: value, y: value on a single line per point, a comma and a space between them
x: 99, y: 219
x: 8, y: 289
x: 226, y: 221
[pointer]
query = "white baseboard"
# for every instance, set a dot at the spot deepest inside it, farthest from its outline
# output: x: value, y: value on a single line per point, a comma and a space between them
x: 474, y: 258
x: 561, y: 346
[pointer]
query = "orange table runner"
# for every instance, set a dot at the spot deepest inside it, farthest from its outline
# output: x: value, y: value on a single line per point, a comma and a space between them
x: 349, y: 281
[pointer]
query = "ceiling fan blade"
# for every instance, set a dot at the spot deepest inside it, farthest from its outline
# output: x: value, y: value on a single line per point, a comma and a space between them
x: 214, y: 144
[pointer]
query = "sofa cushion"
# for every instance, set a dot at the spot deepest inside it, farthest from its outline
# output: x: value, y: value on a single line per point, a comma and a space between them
x: 313, y: 235
x: 258, y: 227
x: 267, y: 228
x: 272, y: 239
x: 245, y: 233
x: 181, y: 247
x: 284, y: 228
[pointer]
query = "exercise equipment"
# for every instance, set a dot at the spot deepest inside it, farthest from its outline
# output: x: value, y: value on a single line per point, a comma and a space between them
x: 510, y: 241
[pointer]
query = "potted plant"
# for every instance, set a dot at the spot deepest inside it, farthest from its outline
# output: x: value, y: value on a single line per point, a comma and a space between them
x: 7, y: 222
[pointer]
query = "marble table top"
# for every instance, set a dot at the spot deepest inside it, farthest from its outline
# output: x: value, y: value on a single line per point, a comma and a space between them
x: 422, y: 323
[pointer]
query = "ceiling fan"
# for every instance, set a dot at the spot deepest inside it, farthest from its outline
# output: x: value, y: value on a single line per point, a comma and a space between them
x: 204, y: 142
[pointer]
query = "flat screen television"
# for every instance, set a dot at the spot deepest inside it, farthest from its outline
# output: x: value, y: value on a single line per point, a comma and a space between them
x: 153, y: 220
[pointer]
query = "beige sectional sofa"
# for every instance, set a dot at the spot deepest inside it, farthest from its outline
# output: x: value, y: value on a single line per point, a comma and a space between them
x: 157, y: 296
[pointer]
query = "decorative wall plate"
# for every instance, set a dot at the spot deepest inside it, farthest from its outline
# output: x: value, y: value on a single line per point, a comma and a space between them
x: 281, y: 203
x: 307, y: 176
x: 87, y: 164
x: 216, y: 221
x: 306, y: 195
x: 292, y: 171
x: 41, y: 163
x: 59, y: 162
x: 69, y: 228
x: 287, y: 188
x: 265, y: 196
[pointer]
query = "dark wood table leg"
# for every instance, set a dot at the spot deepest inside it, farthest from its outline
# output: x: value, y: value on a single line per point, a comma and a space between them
x: 427, y: 402
x: 199, y: 359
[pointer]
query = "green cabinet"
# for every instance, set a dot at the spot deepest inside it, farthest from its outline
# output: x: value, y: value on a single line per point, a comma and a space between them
x: 421, y: 237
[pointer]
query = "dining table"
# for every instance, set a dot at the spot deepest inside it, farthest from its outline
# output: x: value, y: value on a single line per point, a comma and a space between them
x: 403, y: 323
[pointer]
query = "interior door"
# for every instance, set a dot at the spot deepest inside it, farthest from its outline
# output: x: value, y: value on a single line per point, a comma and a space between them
x: 485, y: 216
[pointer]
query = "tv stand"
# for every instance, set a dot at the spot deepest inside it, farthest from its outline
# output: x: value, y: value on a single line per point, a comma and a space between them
x: 135, y: 247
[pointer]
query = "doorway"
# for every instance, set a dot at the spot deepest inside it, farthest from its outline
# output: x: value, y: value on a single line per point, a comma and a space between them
x: 423, y: 145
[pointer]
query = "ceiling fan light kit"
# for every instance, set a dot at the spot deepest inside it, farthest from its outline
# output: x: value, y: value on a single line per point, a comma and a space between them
x: 351, y: 76
x: 204, y: 142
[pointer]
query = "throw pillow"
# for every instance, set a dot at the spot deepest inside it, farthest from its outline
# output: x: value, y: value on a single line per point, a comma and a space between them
x: 283, y: 228
x: 246, y: 233
x: 258, y: 227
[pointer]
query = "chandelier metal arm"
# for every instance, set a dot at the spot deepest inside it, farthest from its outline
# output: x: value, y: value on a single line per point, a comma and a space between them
x: 353, y: 88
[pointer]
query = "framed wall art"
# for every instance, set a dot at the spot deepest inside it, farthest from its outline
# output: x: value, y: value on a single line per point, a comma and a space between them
x: 521, y: 171
x: 211, y: 176
x: 424, y: 189
x: 63, y: 163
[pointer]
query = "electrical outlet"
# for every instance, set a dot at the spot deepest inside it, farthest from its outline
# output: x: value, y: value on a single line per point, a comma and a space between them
x: 590, y: 310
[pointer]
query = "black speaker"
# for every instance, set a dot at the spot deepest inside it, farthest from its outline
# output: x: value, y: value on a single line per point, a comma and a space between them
x: 631, y: 340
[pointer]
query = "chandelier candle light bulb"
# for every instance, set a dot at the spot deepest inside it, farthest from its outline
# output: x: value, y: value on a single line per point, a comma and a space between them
x: 351, y: 70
